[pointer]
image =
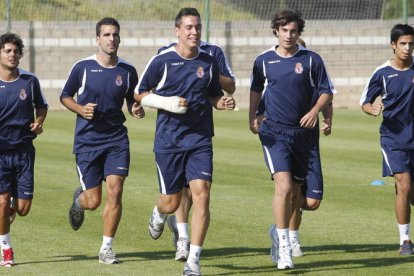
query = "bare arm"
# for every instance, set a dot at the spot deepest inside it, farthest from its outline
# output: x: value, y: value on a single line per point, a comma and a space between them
x: 310, y: 118
x: 227, y: 84
x: 255, y: 98
x: 222, y: 102
x: 37, y: 125
x: 327, y: 114
x: 86, y: 111
x: 373, y: 109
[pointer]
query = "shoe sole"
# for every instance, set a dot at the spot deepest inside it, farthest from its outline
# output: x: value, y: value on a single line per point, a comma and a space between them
x: 273, y: 247
x: 173, y: 230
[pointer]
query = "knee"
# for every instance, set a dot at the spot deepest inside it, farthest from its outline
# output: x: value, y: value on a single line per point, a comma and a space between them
x: 312, y: 204
x: 168, y: 204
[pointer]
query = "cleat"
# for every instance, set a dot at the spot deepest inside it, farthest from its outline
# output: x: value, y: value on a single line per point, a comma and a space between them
x: 155, y: 228
x: 8, y: 258
x: 183, y: 248
x: 274, y: 249
x: 406, y: 248
x: 285, y: 258
x: 296, y: 251
x: 172, y: 224
x: 107, y: 256
x: 76, y: 216
x: 192, y: 269
x: 13, y: 212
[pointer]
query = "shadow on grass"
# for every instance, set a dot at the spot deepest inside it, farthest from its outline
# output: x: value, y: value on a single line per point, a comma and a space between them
x: 250, y: 267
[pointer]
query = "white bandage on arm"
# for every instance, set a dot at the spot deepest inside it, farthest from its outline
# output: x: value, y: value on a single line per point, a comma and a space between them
x: 171, y: 104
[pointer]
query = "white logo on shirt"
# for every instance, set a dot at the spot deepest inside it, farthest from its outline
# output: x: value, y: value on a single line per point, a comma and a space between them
x: 177, y: 63
x: 392, y: 76
x: 273, y: 61
x: 96, y: 70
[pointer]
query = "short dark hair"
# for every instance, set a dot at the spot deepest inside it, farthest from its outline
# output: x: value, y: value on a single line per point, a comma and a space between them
x: 283, y: 17
x: 106, y: 21
x: 186, y: 12
x: 13, y: 39
x: 399, y: 30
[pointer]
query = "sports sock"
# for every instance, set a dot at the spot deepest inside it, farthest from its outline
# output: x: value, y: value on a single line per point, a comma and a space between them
x: 283, y: 235
x: 183, y: 230
x: 294, y: 236
x: 106, y: 242
x: 404, y: 230
x: 159, y: 217
x: 5, y: 241
x: 194, y: 254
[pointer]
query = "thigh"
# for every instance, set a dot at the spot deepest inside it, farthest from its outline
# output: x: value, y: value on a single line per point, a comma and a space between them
x: 199, y: 164
x: 117, y: 160
x: 170, y: 171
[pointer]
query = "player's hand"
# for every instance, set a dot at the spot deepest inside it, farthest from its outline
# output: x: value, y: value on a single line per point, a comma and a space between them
x: 376, y: 109
x: 309, y: 120
x: 183, y: 102
x: 326, y: 127
x: 255, y: 124
x: 88, y: 110
x: 36, y: 128
x: 137, y: 110
x: 228, y: 103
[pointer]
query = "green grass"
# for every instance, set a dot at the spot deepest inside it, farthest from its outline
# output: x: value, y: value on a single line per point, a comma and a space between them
x: 353, y: 233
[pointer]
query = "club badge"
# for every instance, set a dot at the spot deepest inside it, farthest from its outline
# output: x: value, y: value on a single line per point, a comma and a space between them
x: 22, y: 94
x: 298, y: 68
x: 118, y: 80
x: 200, y: 72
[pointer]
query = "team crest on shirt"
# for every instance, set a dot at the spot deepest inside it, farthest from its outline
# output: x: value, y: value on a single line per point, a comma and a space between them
x: 298, y: 68
x: 200, y: 72
x: 22, y: 94
x: 118, y: 80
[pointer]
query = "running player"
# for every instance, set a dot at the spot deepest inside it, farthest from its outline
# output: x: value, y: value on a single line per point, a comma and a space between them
x: 393, y: 81
x: 178, y: 223
x: 292, y: 78
x: 186, y: 83
x: 102, y: 82
x: 23, y: 112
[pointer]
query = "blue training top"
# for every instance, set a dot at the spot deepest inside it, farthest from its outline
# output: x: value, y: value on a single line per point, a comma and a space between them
x: 396, y: 88
x: 196, y: 80
x: 18, y: 99
x: 291, y: 85
x: 107, y: 87
x: 217, y: 53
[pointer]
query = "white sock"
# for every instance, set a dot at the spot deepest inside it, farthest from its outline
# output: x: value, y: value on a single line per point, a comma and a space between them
x: 283, y: 235
x: 194, y: 254
x: 159, y: 217
x: 5, y: 241
x: 183, y: 230
x: 404, y: 230
x: 106, y: 242
x: 294, y: 236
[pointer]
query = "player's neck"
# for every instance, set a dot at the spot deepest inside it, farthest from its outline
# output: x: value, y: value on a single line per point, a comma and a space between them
x: 7, y: 74
x: 286, y: 52
x: 401, y: 64
x: 107, y: 60
x: 186, y: 52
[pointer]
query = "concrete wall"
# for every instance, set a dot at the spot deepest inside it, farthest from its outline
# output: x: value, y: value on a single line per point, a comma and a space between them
x: 351, y: 50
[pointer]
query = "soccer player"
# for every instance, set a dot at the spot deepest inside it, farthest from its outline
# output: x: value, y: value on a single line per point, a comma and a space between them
x: 296, y: 88
x: 187, y: 86
x: 102, y: 82
x: 178, y: 223
x: 23, y: 112
x: 393, y: 81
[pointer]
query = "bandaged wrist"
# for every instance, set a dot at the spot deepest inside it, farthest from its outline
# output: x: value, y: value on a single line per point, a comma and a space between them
x: 171, y: 104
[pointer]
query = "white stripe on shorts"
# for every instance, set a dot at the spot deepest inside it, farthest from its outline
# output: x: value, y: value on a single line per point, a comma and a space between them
x: 80, y: 178
x: 386, y: 160
x: 269, y: 160
x: 162, y: 183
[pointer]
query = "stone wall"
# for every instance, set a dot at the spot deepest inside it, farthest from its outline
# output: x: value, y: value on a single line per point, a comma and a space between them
x: 351, y: 50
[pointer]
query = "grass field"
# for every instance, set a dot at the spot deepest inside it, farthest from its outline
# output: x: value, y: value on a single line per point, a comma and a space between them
x: 353, y: 233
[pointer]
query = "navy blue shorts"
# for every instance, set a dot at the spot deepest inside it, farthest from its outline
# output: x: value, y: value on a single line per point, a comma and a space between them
x: 17, y: 171
x: 397, y: 161
x: 313, y: 187
x: 93, y: 167
x: 175, y: 170
x: 286, y: 149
